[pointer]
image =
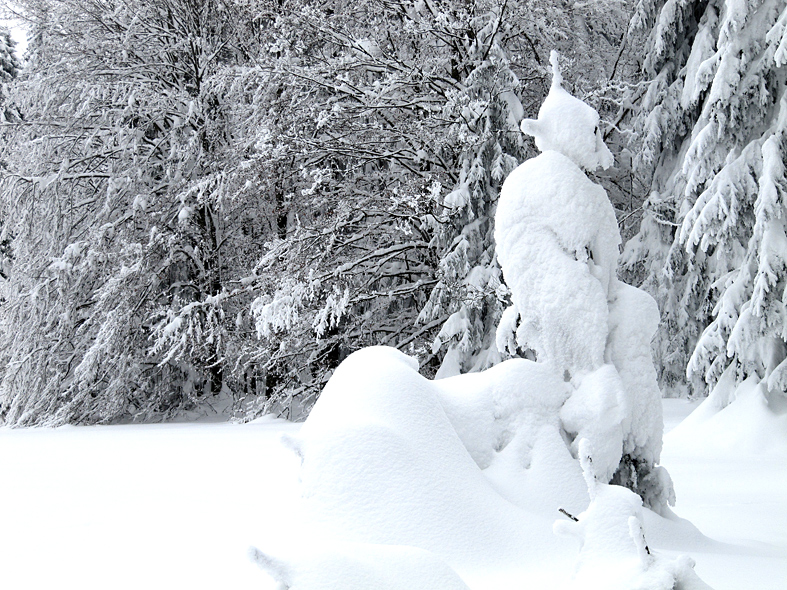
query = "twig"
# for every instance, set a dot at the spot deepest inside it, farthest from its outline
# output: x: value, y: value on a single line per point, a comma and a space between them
x: 571, y: 516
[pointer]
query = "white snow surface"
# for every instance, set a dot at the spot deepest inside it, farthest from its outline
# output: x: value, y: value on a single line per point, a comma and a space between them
x: 178, y: 506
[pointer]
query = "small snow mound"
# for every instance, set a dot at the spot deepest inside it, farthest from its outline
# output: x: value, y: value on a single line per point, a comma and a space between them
x: 614, y: 554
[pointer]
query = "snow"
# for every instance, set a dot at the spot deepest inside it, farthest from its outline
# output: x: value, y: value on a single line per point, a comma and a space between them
x: 729, y: 466
x: 352, y: 566
x: 544, y: 256
x: 557, y: 243
x: 567, y: 125
x: 383, y: 463
x: 154, y: 506
x: 178, y: 505
x: 396, y: 481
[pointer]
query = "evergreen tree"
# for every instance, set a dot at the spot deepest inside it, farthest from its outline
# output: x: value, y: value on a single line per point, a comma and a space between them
x: 9, y: 68
x: 711, y: 129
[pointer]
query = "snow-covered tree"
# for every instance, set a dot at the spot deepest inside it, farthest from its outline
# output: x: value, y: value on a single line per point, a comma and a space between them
x: 711, y: 133
x: 558, y: 244
x: 9, y: 68
x: 124, y: 207
x: 406, y: 126
x: 400, y: 123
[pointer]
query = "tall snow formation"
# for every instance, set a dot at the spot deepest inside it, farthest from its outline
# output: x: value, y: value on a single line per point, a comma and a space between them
x: 558, y: 245
x: 711, y: 132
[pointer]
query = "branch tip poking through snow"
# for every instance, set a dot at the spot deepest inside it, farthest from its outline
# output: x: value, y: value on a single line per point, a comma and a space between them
x: 557, y: 77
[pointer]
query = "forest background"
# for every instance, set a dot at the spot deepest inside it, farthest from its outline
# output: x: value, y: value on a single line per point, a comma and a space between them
x: 207, y: 205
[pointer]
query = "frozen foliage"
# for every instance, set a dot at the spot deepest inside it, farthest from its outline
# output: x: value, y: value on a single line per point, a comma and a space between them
x: 130, y: 214
x: 712, y: 141
x: 247, y: 194
x: 9, y: 68
x: 557, y: 243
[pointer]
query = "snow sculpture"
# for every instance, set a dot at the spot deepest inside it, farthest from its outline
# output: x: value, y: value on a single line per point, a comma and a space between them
x: 558, y: 245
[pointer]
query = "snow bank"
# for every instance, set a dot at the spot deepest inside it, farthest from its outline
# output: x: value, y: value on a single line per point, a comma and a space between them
x: 728, y: 459
x: 383, y: 463
x: 465, y: 476
x: 737, y: 420
x: 177, y: 505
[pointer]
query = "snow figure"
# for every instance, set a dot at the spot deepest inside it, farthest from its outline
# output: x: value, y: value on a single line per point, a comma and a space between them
x: 558, y: 245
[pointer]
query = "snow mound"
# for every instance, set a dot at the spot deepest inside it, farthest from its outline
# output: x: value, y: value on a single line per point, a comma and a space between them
x: 508, y: 419
x: 346, y: 566
x: 463, y: 477
x: 614, y: 554
x: 382, y: 461
x: 736, y: 420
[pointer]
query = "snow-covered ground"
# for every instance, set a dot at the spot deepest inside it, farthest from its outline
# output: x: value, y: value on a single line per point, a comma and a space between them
x: 179, y: 505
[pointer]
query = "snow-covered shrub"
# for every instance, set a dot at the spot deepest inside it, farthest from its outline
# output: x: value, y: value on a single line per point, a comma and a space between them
x: 614, y: 554
x: 558, y: 245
